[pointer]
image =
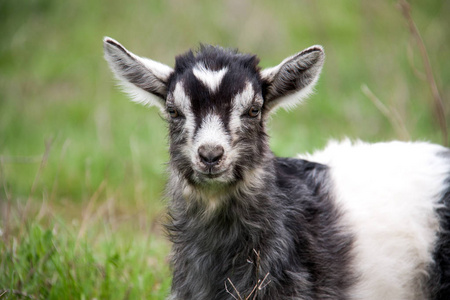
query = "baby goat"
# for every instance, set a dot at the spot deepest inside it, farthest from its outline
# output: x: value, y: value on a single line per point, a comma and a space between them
x: 354, y: 221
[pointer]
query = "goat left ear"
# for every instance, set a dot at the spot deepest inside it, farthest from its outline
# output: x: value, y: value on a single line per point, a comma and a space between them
x: 287, y: 84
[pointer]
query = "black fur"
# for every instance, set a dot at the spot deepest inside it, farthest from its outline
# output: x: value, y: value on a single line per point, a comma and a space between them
x: 272, y: 229
x: 291, y: 225
x: 285, y: 230
x: 440, y: 279
x: 241, y: 68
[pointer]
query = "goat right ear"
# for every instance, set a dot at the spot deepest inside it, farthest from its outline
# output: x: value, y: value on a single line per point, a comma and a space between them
x: 143, y: 79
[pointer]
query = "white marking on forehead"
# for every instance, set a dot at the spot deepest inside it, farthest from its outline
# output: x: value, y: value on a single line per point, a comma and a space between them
x: 244, y: 98
x: 212, y: 131
x: 211, y: 79
x: 181, y: 99
x: 183, y: 103
x: 242, y: 102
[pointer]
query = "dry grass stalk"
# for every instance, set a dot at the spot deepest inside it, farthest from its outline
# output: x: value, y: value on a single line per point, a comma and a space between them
x: 235, y: 289
x: 260, y: 284
x: 438, y: 105
x: 6, y: 213
x: 410, y: 55
x: 90, y: 210
x: 58, y: 170
x: 16, y: 293
x: 391, y: 114
x: 48, y: 147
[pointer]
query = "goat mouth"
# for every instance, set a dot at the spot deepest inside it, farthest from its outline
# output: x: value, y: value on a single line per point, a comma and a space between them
x: 211, y: 174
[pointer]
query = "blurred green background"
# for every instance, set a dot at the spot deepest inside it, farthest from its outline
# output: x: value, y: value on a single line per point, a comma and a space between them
x: 81, y: 165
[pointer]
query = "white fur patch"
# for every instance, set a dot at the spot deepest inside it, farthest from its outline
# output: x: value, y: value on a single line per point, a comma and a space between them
x: 212, y: 132
x: 140, y: 96
x: 388, y: 193
x: 182, y: 102
x: 244, y: 99
x: 160, y: 70
x: 211, y: 79
x: 181, y: 99
x: 293, y: 100
x: 241, y: 102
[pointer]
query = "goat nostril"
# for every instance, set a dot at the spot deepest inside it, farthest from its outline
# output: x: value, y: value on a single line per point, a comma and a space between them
x: 210, y: 155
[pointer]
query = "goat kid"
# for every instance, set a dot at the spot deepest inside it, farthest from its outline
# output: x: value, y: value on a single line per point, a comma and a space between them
x: 354, y: 221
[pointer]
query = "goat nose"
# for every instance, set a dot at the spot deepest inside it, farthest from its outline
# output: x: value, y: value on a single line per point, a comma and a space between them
x: 210, y: 155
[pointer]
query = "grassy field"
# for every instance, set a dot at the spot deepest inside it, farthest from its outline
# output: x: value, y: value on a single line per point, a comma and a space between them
x: 82, y: 170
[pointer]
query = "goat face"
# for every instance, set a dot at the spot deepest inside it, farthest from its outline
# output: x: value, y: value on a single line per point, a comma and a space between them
x: 214, y: 105
x: 216, y: 102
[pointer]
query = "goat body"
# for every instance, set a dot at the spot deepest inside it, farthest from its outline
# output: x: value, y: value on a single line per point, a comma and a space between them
x: 354, y: 221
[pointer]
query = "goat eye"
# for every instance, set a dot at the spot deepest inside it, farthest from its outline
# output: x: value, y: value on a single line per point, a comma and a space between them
x: 173, y: 113
x: 254, y: 111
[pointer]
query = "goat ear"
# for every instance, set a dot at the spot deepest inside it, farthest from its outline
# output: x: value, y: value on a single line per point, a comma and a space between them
x: 287, y: 84
x: 143, y: 79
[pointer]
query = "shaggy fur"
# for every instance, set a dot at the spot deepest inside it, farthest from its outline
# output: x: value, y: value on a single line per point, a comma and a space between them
x: 289, y: 230
x: 355, y: 221
x: 440, y: 269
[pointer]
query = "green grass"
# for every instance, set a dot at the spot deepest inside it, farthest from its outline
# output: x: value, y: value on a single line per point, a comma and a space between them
x: 56, y: 263
x: 82, y: 170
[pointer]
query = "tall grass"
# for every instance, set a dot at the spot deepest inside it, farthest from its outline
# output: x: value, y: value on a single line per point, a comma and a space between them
x: 82, y: 171
x: 52, y: 263
x: 105, y: 253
